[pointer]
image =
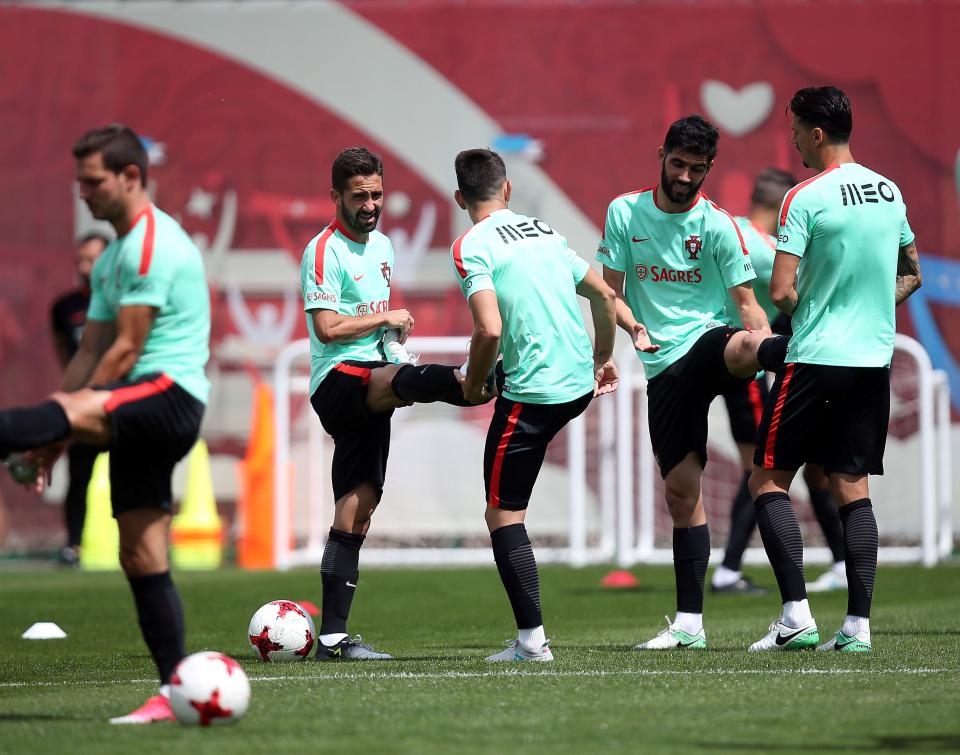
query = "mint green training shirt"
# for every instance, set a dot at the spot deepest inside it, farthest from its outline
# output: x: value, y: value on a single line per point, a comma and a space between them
x: 547, y: 354
x: 762, y: 247
x: 339, y: 273
x: 678, y: 268
x: 847, y: 225
x: 157, y: 264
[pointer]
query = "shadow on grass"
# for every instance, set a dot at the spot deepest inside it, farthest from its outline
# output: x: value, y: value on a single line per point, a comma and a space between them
x: 14, y: 717
x: 923, y: 743
x: 914, y: 632
x: 611, y: 591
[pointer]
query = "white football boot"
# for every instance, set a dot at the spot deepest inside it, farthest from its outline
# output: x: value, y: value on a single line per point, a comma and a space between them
x: 517, y: 651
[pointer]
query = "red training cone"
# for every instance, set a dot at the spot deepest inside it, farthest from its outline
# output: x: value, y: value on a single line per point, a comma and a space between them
x: 619, y: 578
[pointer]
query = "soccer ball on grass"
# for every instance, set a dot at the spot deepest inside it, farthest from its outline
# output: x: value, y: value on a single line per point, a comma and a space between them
x: 282, y: 631
x: 209, y: 688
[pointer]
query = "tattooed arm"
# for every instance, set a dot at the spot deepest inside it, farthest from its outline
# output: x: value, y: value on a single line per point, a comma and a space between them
x: 909, y: 278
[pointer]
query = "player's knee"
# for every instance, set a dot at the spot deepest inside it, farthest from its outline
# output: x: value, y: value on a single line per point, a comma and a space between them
x: 136, y: 561
x: 681, y: 501
x: 380, y: 394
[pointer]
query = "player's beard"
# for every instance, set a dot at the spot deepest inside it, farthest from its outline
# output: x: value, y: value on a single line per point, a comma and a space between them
x: 354, y: 223
x: 676, y: 192
x: 110, y: 211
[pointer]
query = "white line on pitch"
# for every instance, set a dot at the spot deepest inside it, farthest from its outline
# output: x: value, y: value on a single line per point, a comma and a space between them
x: 506, y: 673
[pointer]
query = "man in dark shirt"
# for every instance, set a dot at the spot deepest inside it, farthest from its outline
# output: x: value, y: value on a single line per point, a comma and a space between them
x: 68, y: 315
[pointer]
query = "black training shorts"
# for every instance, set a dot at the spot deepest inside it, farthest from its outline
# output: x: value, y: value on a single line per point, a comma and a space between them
x: 361, y: 439
x: 679, y: 399
x: 517, y: 441
x: 154, y: 423
x: 834, y: 416
x: 745, y: 408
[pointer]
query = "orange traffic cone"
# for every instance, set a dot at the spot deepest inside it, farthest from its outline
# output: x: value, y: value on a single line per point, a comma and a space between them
x: 255, y: 507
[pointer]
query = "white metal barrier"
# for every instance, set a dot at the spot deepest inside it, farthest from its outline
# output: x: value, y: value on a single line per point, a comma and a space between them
x: 625, y: 490
x: 306, y: 547
x: 635, y: 516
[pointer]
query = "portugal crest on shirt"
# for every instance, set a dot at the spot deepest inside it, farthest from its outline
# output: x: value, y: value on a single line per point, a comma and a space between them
x: 385, y: 269
x: 694, y: 246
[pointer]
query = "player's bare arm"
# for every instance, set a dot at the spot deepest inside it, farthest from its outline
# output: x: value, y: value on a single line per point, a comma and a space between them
x: 61, y: 344
x: 97, y: 337
x: 909, y: 277
x: 783, y: 291
x: 625, y: 318
x: 484, y: 345
x: 132, y: 328
x: 603, y: 309
x: 333, y: 327
x: 751, y: 313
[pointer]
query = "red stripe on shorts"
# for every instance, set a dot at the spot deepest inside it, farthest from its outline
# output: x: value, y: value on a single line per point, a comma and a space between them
x: 360, y: 372
x: 501, y: 451
x: 775, y: 420
x: 756, y: 402
x: 137, y: 392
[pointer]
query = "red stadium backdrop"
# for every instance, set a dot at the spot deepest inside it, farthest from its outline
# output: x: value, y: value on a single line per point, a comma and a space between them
x: 583, y: 91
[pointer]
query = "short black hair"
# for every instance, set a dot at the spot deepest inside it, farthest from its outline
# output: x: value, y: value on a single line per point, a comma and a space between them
x: 769, y: 187
x: 826, y: 108
x: 354, y: 161
x: 119, y: 145
x: 480, y: 174
x: 93, y: 236
x: 693, y: 134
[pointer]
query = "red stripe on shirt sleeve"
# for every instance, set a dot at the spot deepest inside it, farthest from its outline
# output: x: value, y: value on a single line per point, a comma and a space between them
x: 319, y: 251
x: 457, y: 254
x: 743, y: 245
x: 458, y: 257
x: 149, y: 236
x: 796, y: 189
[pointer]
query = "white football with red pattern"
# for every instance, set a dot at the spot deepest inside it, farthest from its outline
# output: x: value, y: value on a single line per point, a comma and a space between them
x: 282, y: 630
x: 209, y: 689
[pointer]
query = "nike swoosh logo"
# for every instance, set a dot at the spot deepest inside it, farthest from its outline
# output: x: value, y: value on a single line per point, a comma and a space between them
x: 844, y: 644
x: 686, y: 644
x: 358, y: 277
x: 350, y: 584
x: 784, y: 639
x: 637, y: 241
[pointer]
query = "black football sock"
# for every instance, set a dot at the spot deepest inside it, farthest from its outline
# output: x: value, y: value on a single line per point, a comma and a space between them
x: 339, y: 572
x: 825, y: 509
x: 772, y: 352
x: 743, y: 518
x: 427, y: 383
x: 691, y: 554
x: 27, y: 427
x: 860, y: 543
x: 161, y: 620
x: 518, y: 572
x: 780, y: 532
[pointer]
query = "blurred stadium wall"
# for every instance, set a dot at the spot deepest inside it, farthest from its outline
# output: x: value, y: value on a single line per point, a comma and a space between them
x: 246, y: 103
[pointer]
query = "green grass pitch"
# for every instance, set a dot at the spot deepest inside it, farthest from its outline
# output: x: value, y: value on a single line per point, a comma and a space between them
x: 439, y: 696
